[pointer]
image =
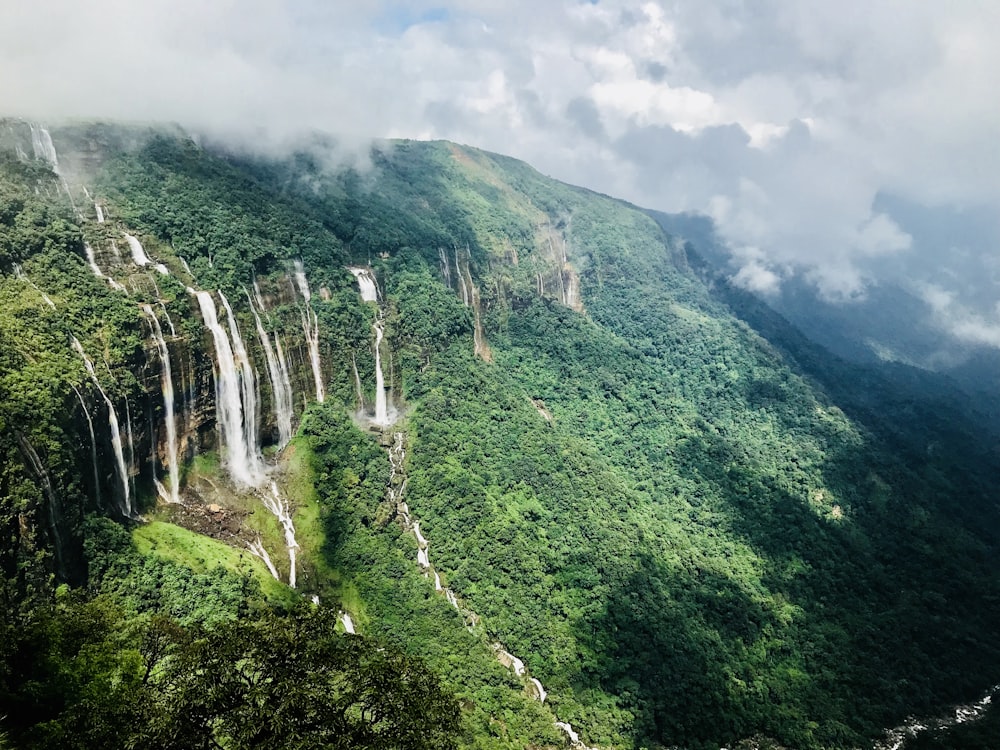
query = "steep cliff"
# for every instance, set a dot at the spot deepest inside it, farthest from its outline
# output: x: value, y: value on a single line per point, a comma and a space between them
x: 491, y: 419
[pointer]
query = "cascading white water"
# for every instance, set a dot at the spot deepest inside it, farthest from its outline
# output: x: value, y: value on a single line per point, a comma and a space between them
x: 41, y: 144
x: 19, y: 273
x: 170, y: 323
x: 310, y: 327
x: 279, y: 507
x: 445, y: 267
x: 116, y: 435
x: 286, y: 380
x: 357, y: 383
x: 369, y: 293
x: 539, y: 690
x: 420, y: 537
x: 348, y: 623
x: 93, y: 444
x: 167, y: 387
x: 248, y: 384
x: 466, y: 297
x: 422, y: 559
x: 437, y: 582
x: 281, y: 388
x: 187, y: 268
x: 55, y: 513
x: 139, y: 256
x: 257, y: 548
x: 242, y: 460
x: 92, y: 261
x: 100, y: 213
x: 366, y: 283
x: 381, y: 404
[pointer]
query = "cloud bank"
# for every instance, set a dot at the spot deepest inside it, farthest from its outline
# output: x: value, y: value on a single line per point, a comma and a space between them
x: 814, y: 133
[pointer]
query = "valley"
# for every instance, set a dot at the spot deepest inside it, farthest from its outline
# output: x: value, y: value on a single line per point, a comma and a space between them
x: 489, y: 448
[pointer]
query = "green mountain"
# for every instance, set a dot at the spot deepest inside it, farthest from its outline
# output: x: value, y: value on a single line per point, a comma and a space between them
x: 563, y: 486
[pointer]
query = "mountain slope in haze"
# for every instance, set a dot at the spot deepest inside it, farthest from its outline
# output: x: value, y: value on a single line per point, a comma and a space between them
x: 591, y: 468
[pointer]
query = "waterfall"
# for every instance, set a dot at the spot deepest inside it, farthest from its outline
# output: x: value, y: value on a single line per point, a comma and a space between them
x: 381, y: 406
x: 41, y: 144
x: 257, y: 548
x: 92, y: 261
x: 241, y: 456
x: 279, y: 507
x: 445, y: 267
x: 93, y: 444
x: 422, y: 559
x: 348, y: 623
x: 286, y: 381
x: 116, y: 435
x: 281, y: 388
x: 100, y: 213
x: 357, y: 383
x: 139, y: 256
x: 248, y: 383
x: 369, y: 293
x: 130, y: 442
x: 366, y: 283
x: 420, y: 537
x: 466, y: 297
x: 19, y: 273
x: 167, y: 387
x: 437, y: 582
x: 539, y: 690
x: 509, y: 660
x: 170, y: 323
x: 310, y: 326
x: 52, y: 500
x: 187, y: 268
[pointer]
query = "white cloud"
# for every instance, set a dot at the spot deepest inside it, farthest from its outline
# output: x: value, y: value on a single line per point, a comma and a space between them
x: 784, y: 121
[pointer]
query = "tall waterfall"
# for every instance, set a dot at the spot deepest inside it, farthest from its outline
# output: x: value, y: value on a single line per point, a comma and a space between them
x: 51, y: 497
x: 381, y: 405
x: 235, y: 428
x: 167, y: 386
x: 41, y: 144
x: 310, y: 326
x: 369, y: 293
x: 357, y: 382
x: 100, y: 213
x: 116, y: 434
x: 281, y: 387
x: 93, y: 445
x: 248, y: 383
x: 445, y: 267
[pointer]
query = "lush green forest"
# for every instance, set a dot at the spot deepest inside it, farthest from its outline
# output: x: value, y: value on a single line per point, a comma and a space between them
x: 694, y: 526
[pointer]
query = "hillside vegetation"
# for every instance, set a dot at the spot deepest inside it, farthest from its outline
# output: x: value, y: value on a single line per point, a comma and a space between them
x: 692, y: 525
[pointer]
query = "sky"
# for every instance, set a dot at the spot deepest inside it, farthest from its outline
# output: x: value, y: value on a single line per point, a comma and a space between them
x: 848, y: 143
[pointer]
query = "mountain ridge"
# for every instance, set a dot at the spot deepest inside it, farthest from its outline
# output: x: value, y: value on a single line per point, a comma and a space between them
x: 664, y: 514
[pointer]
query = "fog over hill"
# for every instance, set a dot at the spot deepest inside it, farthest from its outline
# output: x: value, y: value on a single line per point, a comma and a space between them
x: 839, y: 143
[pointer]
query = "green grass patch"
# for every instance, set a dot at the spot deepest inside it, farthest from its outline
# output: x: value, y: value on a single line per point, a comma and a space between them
x: 203, y: 554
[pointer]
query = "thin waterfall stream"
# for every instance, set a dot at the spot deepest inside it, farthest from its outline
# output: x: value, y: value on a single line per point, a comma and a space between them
x: 167, y: 388
x: 114, y: 426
